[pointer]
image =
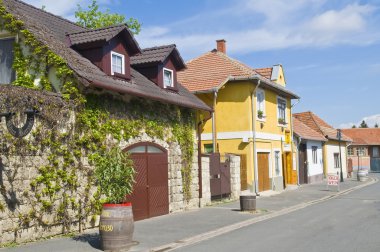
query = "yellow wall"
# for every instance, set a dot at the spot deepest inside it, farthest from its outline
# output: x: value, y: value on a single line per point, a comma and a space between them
x: 233, y: 114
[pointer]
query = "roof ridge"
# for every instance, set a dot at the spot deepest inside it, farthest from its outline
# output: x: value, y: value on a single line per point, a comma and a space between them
x: 159, y: 47
x: 200, y: 56
x: 98, y: 29
x: 51, y: 14
x: 237, y: 63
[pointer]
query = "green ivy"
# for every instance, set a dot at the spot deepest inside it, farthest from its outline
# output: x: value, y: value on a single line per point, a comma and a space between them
x: 97, y: 119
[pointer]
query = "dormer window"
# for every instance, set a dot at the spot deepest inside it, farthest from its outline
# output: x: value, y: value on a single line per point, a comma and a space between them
x: 117, y: 65
x: 168, y: 78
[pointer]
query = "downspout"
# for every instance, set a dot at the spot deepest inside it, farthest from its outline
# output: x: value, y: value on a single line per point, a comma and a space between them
x: 214, y: 144
x: 291, y: 139
x: 254, y: 153
x: 200, y: 123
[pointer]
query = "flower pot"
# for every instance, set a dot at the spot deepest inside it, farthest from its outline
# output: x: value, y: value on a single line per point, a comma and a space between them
x: 247, y: 203
x: 116, y: 227
x: 362, y: 175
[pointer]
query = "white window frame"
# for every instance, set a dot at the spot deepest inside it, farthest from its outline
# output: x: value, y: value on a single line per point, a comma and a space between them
x: 163, y: 77
x: 350, y: 151
x: 314, y: 153
x: 258, y: 104
x: 122, y: 62
x: 337, y: 163
x: 278, y: 111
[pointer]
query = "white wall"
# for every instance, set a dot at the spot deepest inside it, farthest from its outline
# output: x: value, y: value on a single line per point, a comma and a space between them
x: 314, y: 169
x: 330, y: 150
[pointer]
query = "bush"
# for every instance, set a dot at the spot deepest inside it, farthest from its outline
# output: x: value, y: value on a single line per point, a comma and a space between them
x: 115, y: 175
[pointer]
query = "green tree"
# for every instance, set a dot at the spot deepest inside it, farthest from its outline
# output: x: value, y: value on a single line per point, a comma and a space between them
x: 94, y: 18
x: 354, y: 126
x: 363, y: 125
x: 376, y: 125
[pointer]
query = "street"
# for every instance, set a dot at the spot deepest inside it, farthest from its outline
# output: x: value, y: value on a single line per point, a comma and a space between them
x: 349, y: 222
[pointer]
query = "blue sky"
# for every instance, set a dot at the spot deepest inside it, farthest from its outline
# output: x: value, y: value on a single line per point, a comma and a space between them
x: 329, y: 48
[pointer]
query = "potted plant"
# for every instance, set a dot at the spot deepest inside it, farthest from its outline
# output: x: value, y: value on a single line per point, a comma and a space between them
x: 281, y: 121
x: 260, y: 114
x: 115, y: 178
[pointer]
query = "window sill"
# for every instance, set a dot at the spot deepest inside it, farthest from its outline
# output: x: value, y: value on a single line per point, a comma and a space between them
x: 173, y: 89
x: 120, y: 76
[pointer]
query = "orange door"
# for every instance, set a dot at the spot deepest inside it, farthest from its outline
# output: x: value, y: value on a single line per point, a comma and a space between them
x: 263, y: 171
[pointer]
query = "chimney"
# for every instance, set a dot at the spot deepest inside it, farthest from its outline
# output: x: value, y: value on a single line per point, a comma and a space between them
x: 221, y: 45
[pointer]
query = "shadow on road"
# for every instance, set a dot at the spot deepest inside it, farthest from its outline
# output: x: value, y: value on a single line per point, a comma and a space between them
x: 92, y: 239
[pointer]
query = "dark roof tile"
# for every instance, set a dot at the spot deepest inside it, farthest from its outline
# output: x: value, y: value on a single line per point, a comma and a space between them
x: 51, y: 30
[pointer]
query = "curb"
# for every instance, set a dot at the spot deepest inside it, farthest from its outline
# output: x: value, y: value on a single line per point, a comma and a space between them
x: 223, y: 230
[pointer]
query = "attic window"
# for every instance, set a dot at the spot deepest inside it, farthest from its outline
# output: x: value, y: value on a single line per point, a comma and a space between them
x: 117, y: 65
x: 168, y: 78
x: 7, y: 73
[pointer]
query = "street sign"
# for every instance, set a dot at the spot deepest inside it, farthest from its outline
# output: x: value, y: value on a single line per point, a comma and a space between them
x: 333, y: 180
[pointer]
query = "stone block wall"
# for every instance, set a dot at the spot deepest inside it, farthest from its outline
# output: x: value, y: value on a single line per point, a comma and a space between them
x: 206, y: 193
x: 235, y: 175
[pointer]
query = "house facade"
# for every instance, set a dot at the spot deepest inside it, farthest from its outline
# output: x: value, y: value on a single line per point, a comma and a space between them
x: 88, y: 90
x: 310, y: 152
x: 364, y: 151
x: 251, y: 118
x: 334, y: 150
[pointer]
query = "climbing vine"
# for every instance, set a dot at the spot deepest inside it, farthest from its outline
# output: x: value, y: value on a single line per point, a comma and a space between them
x: 73, y: 129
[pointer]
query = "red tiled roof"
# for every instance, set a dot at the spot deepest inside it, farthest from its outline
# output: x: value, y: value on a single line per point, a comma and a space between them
x: 305, y: 132
x: 363, y: 136
x: 265, y: 72
x: 200, y: 76
x: 317, y: 124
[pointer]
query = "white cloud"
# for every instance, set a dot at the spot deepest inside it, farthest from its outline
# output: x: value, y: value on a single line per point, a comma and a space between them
x: 280, y: 25
x: 370, y: 120
x: 60, y: 8
x: 65, y: 8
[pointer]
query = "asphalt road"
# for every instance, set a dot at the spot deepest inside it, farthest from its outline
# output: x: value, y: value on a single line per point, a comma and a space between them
x: 349, y: 222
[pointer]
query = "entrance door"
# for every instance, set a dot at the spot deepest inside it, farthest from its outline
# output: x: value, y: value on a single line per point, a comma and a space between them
x: 150, y: 195
x: 302, y: 164
x: 263, y: 171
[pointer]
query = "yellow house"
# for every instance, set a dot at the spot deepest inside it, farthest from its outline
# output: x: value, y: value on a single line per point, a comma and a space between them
x: 252, y: 116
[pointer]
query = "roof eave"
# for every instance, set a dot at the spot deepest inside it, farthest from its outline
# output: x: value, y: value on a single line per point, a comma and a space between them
x: 266, y: 82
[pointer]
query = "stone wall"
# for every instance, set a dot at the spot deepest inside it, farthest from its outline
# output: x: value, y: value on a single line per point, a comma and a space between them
x: 235, y: 176
x: 22, y: 217
x: 206, y: 193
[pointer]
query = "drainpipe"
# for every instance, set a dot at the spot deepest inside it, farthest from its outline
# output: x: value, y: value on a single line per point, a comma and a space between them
x: 214, y: 144
x: 291, y: 139
x: 200, y: 157
x: 254, y: 153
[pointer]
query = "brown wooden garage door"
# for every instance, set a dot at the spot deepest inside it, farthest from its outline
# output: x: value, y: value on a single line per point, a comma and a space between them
x: 263, y: 171
x: 150, y: 195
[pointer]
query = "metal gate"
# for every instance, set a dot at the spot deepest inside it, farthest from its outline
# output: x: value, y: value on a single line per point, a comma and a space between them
x: 150, y: 195
x: 220, y: 176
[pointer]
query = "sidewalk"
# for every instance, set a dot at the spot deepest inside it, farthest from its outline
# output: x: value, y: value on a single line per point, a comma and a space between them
x: 177, y: 227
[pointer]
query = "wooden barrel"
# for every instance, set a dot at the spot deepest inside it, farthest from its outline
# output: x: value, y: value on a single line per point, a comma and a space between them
x: 116, y: 226
x: 248, y: 203
x: 362, y: 175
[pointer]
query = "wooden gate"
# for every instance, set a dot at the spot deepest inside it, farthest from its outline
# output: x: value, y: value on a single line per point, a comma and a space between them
x: 263, y: 171
x: 303, y: 164
x: 150, y: 195
x: 220, y: 176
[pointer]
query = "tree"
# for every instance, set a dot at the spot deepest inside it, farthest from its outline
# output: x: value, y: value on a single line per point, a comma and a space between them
x: 363, y: 125
x: 354, y: 126
x: 376, y: 125
x: 94, y: 18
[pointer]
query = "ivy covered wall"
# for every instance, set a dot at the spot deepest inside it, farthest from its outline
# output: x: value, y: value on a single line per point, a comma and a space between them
x: 46, y: 179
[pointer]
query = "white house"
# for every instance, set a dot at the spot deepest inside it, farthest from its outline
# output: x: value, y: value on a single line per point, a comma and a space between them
x: 310, y: 152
